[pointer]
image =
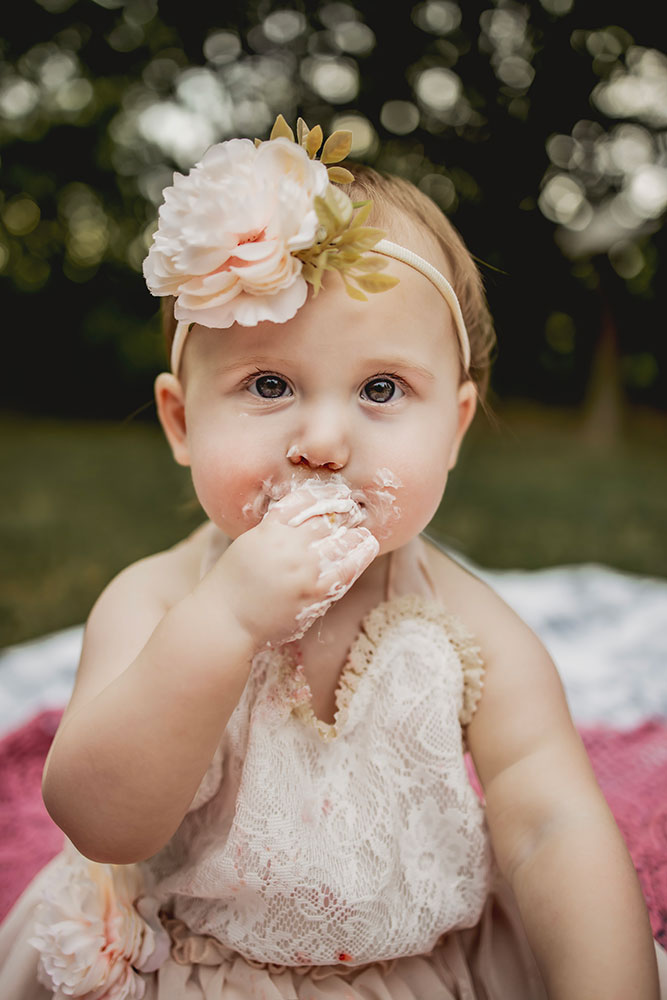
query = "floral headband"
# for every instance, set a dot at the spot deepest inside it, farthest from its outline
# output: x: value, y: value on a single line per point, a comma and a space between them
x: 243, y: 234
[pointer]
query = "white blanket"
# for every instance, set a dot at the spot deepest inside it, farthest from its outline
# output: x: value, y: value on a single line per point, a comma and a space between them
x: 606, y: 631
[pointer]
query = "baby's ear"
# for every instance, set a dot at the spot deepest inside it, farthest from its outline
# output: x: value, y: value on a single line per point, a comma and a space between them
x: 467, y: 404
x: 170, y: 402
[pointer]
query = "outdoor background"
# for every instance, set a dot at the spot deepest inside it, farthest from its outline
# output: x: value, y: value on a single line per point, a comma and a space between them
x: 540, y: 128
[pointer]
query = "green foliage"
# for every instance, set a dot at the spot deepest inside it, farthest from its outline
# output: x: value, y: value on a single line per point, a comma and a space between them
x: 509, y: 116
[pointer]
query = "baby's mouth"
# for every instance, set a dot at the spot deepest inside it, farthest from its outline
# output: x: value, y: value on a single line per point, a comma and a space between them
x: 320, y: 489
x: 329, y: 496
x: 375, y: 503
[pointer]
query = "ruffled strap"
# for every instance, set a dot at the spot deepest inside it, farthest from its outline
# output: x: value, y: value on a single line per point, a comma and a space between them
x: 472, y: 665
x: 385, y: 617
x: 412, y: 565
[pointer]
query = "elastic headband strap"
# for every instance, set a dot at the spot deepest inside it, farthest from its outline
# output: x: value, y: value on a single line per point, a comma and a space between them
x: 440, y: 281
x: 387, y: 249
x: 178, y: 343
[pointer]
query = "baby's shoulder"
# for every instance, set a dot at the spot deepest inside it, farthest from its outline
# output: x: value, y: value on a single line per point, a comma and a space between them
x: 129, y: 609
x: 496, y: 627
x: 163, y: 578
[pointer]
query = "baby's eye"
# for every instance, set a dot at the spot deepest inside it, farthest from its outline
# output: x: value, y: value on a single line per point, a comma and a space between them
x: 382, y: 390
x: 269, y: 387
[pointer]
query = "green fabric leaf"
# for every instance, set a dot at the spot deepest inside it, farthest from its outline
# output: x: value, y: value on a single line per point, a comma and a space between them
x: 354, y: 293
x: 337, y: 146
x: 339, y: 175
x: 376, y: 282
x: 302, y: 131
x: 314, y: 141
x: 281, y: 129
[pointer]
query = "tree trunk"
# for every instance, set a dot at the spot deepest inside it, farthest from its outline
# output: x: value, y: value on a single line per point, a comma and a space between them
x: 604, y: 405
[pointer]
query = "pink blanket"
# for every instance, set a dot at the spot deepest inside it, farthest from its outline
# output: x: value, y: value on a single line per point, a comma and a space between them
x: 631, y: 767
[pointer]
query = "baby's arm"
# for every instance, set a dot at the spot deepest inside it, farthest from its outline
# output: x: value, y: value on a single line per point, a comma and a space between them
x: 553, y: 834
x: 155, y: 687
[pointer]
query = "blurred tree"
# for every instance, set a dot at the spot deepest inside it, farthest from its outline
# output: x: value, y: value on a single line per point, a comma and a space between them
x: 538, y: 127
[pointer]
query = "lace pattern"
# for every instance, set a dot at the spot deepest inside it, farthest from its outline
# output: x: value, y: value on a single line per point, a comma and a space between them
x: 376, y: 626
x: 391, y: 850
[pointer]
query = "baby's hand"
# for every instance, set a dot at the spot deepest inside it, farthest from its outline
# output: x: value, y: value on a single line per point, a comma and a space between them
x: 279, y: 577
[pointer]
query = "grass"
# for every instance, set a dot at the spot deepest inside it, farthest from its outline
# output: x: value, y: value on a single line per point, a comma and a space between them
x: 535, y: 492
x: 82, y: 500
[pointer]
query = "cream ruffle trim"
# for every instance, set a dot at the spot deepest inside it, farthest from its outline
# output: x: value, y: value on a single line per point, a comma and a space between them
x: 377, y: 624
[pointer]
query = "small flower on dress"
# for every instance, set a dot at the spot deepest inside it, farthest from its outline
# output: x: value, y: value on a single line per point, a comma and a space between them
x: 96, y: 929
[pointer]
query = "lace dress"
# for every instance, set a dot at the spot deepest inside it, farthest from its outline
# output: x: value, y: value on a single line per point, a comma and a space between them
x: 341, y: 860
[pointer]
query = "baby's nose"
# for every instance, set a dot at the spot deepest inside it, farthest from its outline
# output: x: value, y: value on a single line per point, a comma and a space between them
x: 320, y: 444
x: 297, y: 459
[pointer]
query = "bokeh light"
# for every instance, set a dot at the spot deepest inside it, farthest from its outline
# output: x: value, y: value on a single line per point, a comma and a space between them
x: 86, y: 224
x: 283, y: 26
x: 639, y: 90
x: 438, y: 88
x: 399, y: 117
x: 626, y: 258
x: 334, y: 79
x: 354, y: 37
x: 440, y: 17
x: 563, y: 200
x: 441, y: 189
x: 21, y: 215
x: 557, y: 7
x: 505, y: 35
x: 364, y: 137
x: 222, y: 47
x: 18, y: 97
x: 647, y: 189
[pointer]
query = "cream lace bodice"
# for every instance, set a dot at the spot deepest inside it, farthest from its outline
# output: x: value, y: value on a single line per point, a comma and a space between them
x: 311, y: 844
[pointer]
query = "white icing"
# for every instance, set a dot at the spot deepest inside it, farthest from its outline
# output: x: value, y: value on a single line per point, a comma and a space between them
x: 361, y: 554
x: 342, y: 509
x: 256, y: 509
x: 380, y: 502
x: 337, y: 504
x: 385, y: 477
x: 330, y: 497
x: 340, y: 552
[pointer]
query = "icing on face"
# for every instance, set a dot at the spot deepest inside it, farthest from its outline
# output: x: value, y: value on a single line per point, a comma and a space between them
x: 331, y: 498
x: 363, y: 552
x: 379, y: 501
x: 334, y: 496
x: 344, y: 509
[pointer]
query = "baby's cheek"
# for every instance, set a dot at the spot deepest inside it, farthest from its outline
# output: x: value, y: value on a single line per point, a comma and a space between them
x: 416, y: 502
x: 225, y: 481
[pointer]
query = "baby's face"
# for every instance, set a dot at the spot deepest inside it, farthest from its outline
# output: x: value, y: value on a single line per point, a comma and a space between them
x: 365, y: 395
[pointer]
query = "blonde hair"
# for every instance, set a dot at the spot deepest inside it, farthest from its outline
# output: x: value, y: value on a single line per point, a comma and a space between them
x: 391, y: 195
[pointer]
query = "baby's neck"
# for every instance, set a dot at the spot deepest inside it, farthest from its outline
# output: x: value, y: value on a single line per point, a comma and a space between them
x: 341, y: 624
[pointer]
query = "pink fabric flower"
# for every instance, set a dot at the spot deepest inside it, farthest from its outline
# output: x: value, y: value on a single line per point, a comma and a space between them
x: 96, y: 929
x: 228, y: 230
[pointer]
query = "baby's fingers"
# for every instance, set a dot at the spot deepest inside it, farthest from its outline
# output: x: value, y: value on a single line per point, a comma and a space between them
x: 345, y: 553
x: 344, y: 556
